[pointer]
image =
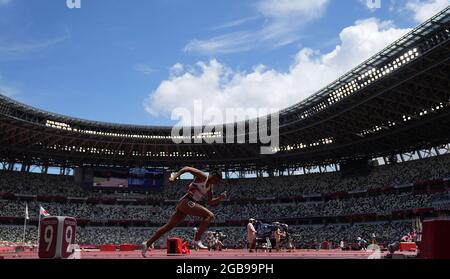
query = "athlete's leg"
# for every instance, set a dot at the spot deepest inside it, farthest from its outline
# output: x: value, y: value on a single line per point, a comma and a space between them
x: 195, y: 209
x: 176, y: 218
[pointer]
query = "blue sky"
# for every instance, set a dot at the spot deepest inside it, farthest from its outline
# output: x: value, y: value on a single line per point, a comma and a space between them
x: 135, y: 61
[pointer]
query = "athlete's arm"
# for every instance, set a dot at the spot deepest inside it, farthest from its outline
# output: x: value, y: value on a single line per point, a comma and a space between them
x: 195, y: 172
x: 215, y: 201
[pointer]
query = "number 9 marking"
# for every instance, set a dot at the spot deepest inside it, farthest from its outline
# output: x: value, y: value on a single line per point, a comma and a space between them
x: 68, y: 235
x: 48, y: 237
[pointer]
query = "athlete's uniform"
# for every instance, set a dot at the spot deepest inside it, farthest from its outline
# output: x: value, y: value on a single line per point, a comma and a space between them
x: 197, y: 192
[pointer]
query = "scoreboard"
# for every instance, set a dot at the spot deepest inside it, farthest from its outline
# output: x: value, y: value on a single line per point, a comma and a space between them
x: 135, y: 178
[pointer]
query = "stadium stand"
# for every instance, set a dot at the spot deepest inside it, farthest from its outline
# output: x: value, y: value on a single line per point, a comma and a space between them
x: 392, y: 191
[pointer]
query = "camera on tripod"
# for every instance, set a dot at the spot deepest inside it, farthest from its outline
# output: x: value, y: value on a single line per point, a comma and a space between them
x: 220, y: 235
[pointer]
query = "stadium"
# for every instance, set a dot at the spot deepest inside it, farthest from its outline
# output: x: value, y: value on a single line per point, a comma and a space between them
x: 361, y: 164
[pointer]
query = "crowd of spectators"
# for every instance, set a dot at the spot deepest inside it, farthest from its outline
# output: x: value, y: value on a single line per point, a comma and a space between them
x: 278, y: 187
x: 382, y: 205
x: 318, y: 183
x: 14, y: 235
x: 308, y: 236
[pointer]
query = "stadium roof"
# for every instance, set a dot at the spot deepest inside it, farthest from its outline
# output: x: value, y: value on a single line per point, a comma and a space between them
x: 398, y: 100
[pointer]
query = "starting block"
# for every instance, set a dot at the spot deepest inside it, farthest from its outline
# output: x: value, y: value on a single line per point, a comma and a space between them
x: 56, y: 237
x: 175, y: 246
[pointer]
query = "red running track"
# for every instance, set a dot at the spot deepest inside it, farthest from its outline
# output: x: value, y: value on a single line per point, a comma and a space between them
x: 228, y: 254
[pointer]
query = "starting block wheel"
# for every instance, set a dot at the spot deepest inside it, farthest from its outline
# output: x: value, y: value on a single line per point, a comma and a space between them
x: 55, y: 236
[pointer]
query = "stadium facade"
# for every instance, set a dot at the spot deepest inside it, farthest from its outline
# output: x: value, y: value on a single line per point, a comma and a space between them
x: 395, y: 102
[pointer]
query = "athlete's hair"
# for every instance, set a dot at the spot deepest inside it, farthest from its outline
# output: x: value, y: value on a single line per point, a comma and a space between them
x: 216, y: 173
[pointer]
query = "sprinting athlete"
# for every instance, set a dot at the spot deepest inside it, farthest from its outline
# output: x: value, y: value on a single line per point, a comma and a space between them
x: 200, y: 188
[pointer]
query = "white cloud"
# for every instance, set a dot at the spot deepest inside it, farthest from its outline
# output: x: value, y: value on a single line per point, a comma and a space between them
x: 234, y: 23
x: 219, y: 87
x: 11, y: 50
x: 393, y: 6
x: 228, y: 43
x: 283, y: 21
x: 423, y: 10
x: 176, y: 69
x: 143, y: 69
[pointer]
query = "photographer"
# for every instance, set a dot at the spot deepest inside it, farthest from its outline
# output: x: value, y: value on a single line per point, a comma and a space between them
x: 220, y: 237
x: 251, y: 234
x: 214, y: 240
x: 362, y: 243
x: 278, y: 234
